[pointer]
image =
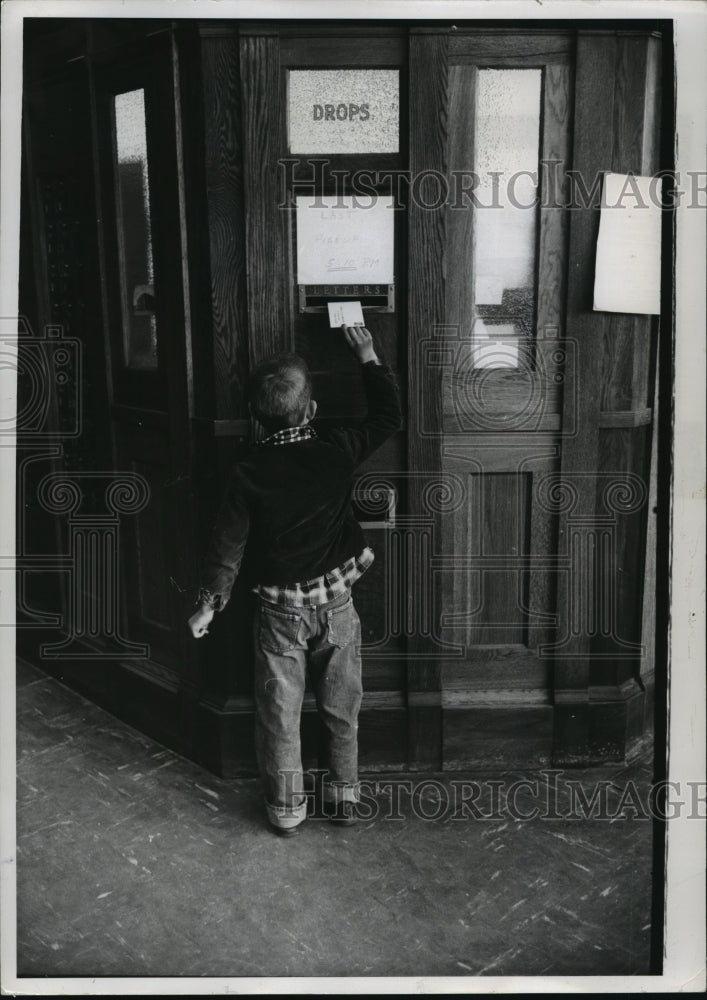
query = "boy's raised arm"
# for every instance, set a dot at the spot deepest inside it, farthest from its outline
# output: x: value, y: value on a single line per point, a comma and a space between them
x: 384, y: 416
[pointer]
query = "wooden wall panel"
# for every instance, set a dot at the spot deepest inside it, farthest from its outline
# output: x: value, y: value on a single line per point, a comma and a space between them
x: 592, y: 153
x: 265, y: 220
x: 499, y: 594
x: 494, y: 736
x: 615, y: 353
x: 498, y: 669
x: 554, y: 223
x: 428, y: 72
x: 625, y: 453
x: 460, y: 217
x: 221, y: 125
x: 151, y: 547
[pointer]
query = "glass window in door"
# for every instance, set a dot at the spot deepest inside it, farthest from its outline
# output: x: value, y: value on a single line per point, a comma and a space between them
x: 134, y: 230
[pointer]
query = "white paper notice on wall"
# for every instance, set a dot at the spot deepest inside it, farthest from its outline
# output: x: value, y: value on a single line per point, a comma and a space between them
x: 627, y: 277
x: 349, y: 313
x: 344, y: 240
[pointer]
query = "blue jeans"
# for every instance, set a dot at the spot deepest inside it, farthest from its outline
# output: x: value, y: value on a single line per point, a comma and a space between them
x: 289, y: 642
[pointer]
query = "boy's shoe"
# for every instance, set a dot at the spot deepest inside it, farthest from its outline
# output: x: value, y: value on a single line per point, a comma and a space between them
x: 285, y: 831
x: 341, y: 813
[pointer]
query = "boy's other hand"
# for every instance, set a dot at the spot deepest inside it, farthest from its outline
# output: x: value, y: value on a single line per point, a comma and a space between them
x: 199, y: 622
x: 360, y: 341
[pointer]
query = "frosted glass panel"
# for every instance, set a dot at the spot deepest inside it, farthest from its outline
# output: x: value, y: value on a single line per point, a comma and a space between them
x: 135, y: 230
x: 506, y: 144
x: 343, y: 111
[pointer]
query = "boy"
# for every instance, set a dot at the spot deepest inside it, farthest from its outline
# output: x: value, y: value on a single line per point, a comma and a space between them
x: 290, y: 500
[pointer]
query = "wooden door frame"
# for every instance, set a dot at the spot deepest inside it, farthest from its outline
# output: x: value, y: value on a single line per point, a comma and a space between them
x: 591, y: 721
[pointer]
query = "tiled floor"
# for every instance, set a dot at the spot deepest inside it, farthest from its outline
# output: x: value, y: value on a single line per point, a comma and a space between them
x: 135, y: 862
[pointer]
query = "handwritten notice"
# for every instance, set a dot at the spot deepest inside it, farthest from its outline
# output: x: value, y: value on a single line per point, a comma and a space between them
x: 627, y: 277
x: 344, y: 240
x: 349, y: 313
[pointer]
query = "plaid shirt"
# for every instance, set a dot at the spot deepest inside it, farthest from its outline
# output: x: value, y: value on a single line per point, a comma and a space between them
x: 322, y: 589
x: 309, y: 593
x: 288, y: 435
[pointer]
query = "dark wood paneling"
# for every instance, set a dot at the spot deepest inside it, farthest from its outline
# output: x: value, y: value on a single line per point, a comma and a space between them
x: 460, y: 217
x: 154, y: 590
x: 268, y: 272
x: 542, y: 580
x: 378, y: 50
x: 615, y: 354
x: 500, y: 595
x: 498, y: 47
x: 623, y: 452
x: 150, y: 525
x: 498, y: 668
x: 592, y: 153
x: 427, y: 250
x: 325, y: 350
x: 508, y: 504
x: 616, y: 716
x: 490, y: 453
x: 225, y: 741
x: 553, y: 225
x: 371, y: 596
x: 626, y: 418
x: 226, y: 736
x: 223, y: 178
x: 426, y: 303
x: 498, y: 736
x: 382, y: 738
x: 648, y: 613
x: 629, y: 104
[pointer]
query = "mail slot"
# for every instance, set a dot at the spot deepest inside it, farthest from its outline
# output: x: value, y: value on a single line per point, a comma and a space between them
x: 373, y: 298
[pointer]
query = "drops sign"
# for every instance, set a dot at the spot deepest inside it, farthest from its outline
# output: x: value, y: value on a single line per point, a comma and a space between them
x: 343, y: 111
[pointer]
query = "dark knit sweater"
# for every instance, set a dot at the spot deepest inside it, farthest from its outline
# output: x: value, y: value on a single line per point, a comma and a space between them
x: 291, y: 503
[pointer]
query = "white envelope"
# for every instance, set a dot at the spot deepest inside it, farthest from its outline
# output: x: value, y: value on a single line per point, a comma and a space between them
x: 349, y: 313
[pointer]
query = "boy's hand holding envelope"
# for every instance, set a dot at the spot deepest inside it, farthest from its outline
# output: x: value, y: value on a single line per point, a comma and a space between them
x: 349, y: 316
x: 361, y: 343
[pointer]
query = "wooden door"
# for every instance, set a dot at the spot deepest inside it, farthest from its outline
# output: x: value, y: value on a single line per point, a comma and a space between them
x: 527, y: 641
x: 146, y: 329
x: 492, y: 354
x: 474, y: 650
x: 103, y: 251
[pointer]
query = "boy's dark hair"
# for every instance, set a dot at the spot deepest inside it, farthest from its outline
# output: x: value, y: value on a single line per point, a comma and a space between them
x: 280, y: 389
